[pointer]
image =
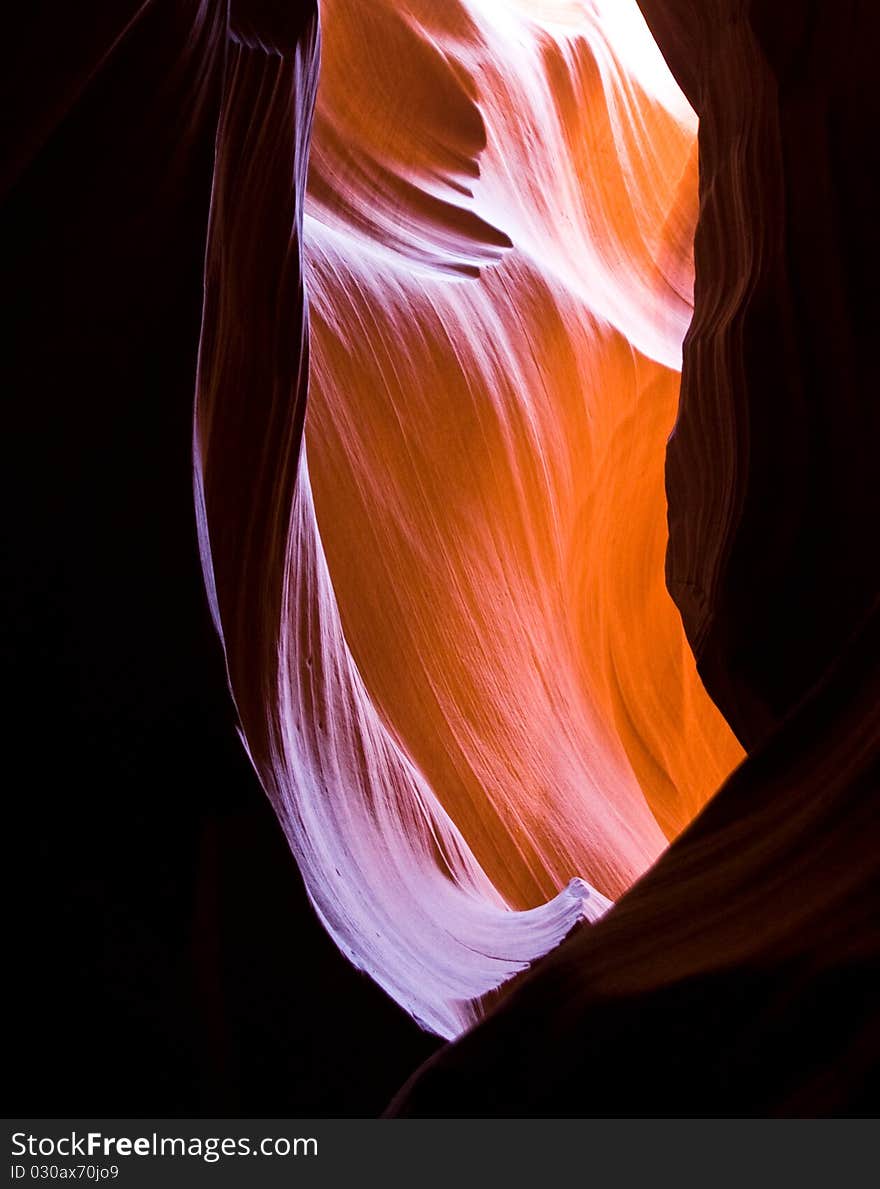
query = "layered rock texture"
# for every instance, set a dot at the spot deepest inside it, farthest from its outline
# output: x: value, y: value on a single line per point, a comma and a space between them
x: 165, y: 953
x: 741, y: 974
x: 534, y: 455
x: 458, y: 671
x: 771, y: 472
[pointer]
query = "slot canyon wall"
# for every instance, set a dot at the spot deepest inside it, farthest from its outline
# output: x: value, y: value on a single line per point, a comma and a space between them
x: 534, y: 457
x: 458, y: 672
x: 163, y: 954
x: 740, y: 975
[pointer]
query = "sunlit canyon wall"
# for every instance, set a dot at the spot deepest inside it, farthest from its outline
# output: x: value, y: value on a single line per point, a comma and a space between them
x: 741, y: 975
x: 439, y: 366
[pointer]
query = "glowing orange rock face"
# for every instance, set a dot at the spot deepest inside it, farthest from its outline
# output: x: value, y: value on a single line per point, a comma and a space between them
x: 457, y: 669
x: 498, y: 237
